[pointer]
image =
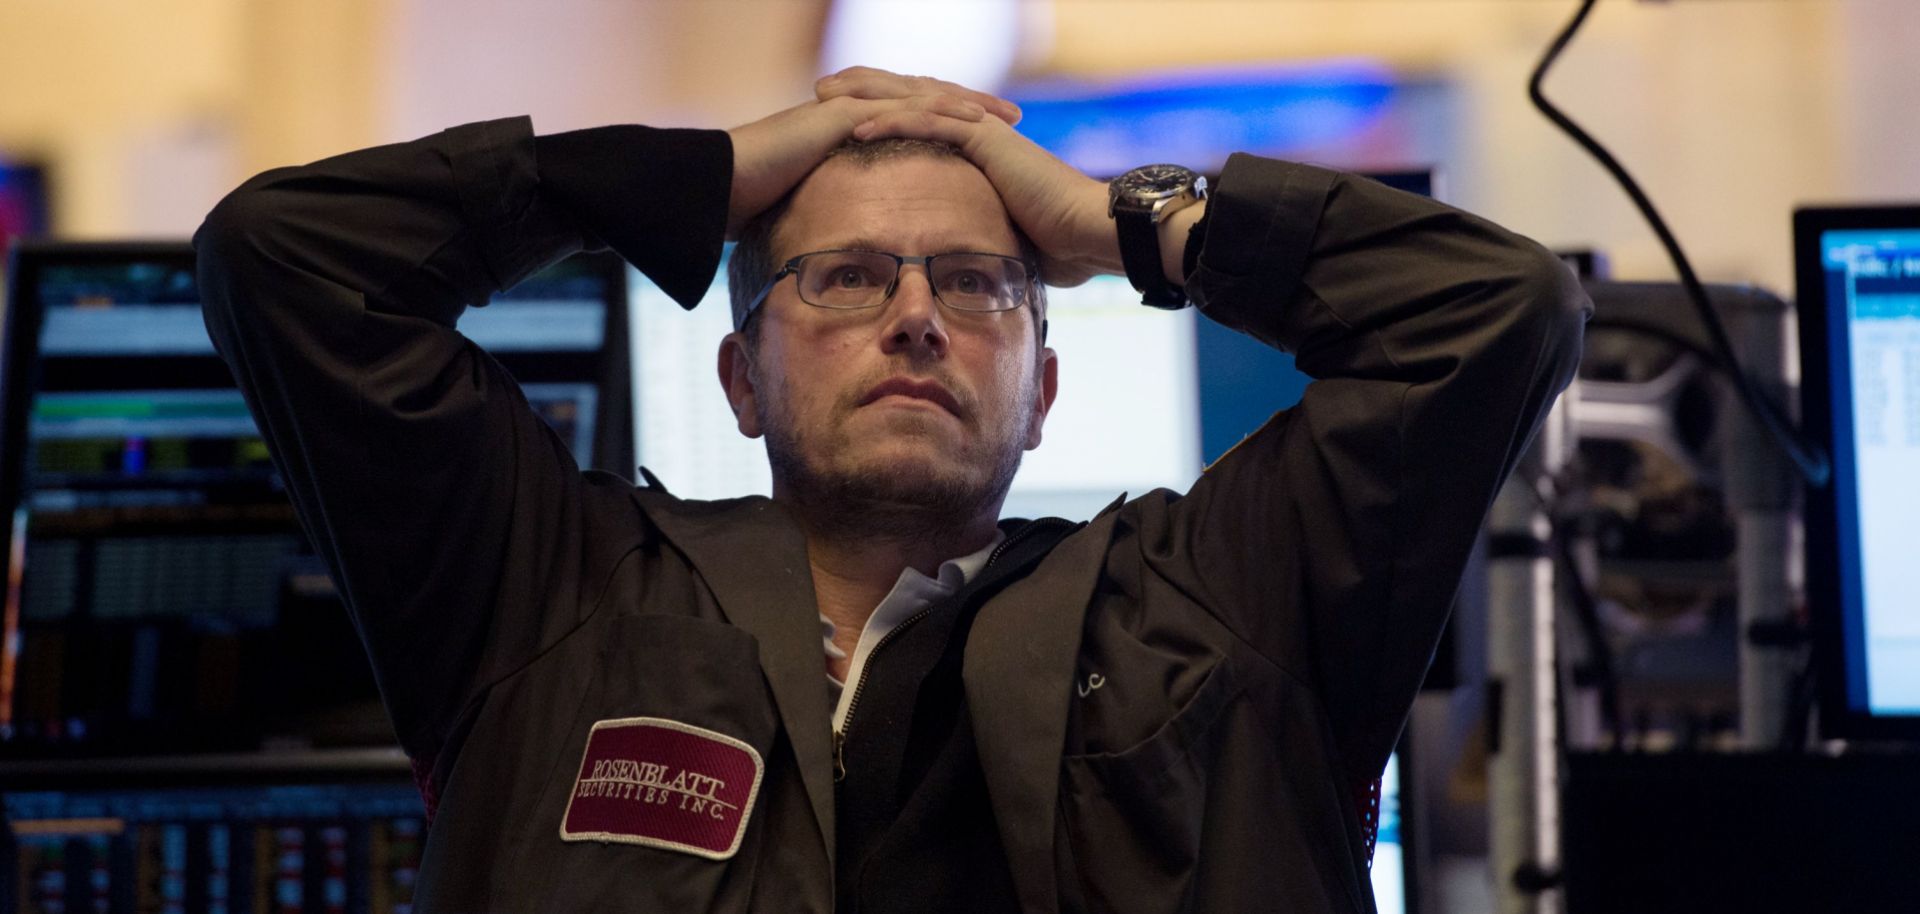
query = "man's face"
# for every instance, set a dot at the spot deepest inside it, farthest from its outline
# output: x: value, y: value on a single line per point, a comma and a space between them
x: 906, y: 407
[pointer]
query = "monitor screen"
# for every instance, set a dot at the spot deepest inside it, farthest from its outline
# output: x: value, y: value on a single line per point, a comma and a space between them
x: 161, y: 596
x: 212, y: 840
x: 1859, y: 290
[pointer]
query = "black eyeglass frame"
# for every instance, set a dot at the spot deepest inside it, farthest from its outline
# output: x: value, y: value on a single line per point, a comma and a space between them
x: 792, y: 268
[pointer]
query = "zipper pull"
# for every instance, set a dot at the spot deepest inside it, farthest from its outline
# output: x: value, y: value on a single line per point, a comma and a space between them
x: 839, y: 756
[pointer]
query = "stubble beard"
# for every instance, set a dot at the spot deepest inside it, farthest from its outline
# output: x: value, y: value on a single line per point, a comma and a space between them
x: 841, y: 496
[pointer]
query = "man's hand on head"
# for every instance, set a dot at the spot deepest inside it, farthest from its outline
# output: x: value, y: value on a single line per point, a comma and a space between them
x: 1062, y: 210
x: 774, y: 153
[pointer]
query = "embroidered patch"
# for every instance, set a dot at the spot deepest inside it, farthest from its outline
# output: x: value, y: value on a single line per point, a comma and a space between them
x: 664, y: 784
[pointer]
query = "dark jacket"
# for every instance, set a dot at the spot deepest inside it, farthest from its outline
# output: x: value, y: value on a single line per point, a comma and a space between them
x: 1258, y: 640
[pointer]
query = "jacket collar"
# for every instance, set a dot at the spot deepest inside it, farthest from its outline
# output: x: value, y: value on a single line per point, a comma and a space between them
x: 1018, y: 672
x: 752, y: 555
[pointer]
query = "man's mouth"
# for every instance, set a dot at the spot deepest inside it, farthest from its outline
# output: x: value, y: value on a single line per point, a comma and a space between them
x: 915, y: 389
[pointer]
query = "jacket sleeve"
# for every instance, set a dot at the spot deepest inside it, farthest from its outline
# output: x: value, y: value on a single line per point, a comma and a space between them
x: 450, y: 516
x: 1333, y: 539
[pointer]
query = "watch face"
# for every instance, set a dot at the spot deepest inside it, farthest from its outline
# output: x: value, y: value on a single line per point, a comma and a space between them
x: 1151, y: 181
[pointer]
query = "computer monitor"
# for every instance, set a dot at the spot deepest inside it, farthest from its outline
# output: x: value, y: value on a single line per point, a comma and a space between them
x: 161, y: 596
x: 327, y: 833
x: 1858, y: 272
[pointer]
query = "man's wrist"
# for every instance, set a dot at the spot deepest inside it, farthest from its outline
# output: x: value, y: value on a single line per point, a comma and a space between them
x: 1174, y: 232
x: 1101, y: 249
x: 1100, y: 246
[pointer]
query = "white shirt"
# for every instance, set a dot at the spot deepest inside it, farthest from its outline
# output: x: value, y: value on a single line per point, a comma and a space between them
x: 911, y: 593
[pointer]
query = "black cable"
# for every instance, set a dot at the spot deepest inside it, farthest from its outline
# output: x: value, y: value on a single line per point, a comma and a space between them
x: 1812, y: 462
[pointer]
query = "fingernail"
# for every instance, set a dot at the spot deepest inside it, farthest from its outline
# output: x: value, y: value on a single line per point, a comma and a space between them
x: 863, y: 131
x: 976, y: 110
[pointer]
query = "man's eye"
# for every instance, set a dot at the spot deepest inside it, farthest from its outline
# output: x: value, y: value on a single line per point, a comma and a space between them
x: 851, y: 278
x: 968, y: 282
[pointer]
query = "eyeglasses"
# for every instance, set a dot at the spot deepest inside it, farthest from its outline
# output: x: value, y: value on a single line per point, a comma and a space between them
x: 850, y: 280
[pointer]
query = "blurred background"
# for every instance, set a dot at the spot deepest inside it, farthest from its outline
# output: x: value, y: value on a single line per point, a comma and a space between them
x: 127, y: 121
x: 1731, y: 111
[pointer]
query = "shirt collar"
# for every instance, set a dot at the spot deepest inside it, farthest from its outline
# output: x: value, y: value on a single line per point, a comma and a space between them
x: 913, y: 590
x: 954, y: 572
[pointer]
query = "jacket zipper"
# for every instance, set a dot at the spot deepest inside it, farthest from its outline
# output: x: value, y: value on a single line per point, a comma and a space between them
x: 853, y: 704
x: 840, y: 735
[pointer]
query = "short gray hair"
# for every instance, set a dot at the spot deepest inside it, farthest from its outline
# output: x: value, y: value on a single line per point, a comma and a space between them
x: 753, y: 261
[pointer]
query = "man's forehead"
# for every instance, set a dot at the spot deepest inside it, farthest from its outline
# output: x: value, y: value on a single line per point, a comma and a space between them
x: 914, y: 204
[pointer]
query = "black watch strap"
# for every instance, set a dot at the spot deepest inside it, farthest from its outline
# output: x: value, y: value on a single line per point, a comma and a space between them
x: 1140, y: 254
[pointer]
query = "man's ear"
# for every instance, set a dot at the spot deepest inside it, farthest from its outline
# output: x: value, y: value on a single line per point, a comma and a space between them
x: 736, y: 378
x: 1043, y: 395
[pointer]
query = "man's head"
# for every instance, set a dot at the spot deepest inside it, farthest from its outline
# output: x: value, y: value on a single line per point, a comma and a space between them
x: 910, y: 414
x: 755, y: 258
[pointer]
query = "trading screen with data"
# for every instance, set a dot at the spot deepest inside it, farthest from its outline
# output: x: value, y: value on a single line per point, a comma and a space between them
x: 292, y: 846
x: 161, y: 595
x: 1865, y: 309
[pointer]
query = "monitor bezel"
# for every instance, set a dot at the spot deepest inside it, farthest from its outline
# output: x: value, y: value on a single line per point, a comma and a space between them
x: 1839, y: 719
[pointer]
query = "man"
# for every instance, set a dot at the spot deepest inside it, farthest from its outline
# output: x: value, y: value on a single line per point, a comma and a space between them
x: 614, y: 698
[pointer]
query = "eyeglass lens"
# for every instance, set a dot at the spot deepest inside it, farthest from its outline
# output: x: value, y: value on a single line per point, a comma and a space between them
x: 862, y: 279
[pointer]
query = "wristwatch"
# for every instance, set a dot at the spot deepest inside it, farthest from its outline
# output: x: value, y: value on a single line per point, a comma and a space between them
x: 1139, y: 201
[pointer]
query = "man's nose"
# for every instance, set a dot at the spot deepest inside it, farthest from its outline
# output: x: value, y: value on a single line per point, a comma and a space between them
x: 914, y: 318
